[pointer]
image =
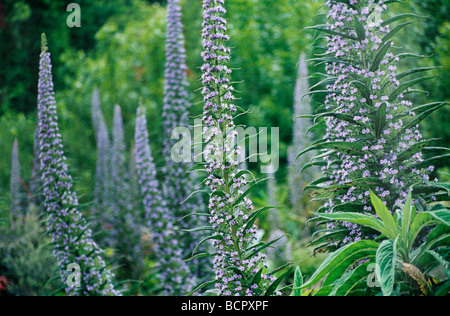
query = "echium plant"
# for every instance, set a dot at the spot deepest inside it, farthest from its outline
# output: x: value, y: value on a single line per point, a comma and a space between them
x: 125, y: 221
x: 392, y: 265
x: 173, y: 270
x: 372, y: 137
x: 239, y: 261
x: 178, y: 183
x: 102, y: 191
x: 16, y: 194
x: 82, y: 269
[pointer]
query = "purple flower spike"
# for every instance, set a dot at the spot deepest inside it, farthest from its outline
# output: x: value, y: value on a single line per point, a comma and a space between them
x: 82, y: 269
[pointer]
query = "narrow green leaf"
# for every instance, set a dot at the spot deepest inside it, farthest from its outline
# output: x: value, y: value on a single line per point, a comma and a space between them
x: 408, y: 217
x: 385, y: 216
x: 380, y: 120
x: 360, y: 219
x: 379, y: 57
x: 264, y: 246
x: 322, y: 29
x: 406, y: 85
x: 298, y: 282
x: 247, y: 192
x: 201, y: 286
x: 400, y: 17
x: 395, y: 31
x: 414, y: 71
x: 341, y: 260
x: 345, y: 285
x: 273, y: 287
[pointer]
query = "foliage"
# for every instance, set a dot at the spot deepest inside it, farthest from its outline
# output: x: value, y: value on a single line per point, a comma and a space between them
x: 404, y: 264
x: 372, y: 138
x: 26, y: 260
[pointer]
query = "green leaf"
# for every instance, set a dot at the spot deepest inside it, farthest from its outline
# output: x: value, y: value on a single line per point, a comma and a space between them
x: 421, y: 221
x: 439, y: 236
x: 419, y: 118
x: 379, y: 57
x: 201, y: 286
x: 395, y: 31
x: 252, y: 218
x: 406, y: 85
x: 340, y: 116
x: 444, y: 263
x: 412, y: 150
x: 298, y: 282
x: 400, y: 17
x: 247, y: 192
x: 409, y: 213
x: 314, y: 184
x: 414, y: 71
x: 214, y: 237
x: 345, y: 285
x: 385, y: 216
x: 273, y: 287
x: 322, y: 29
x: 360, y: 32
x: 264, y: 246
x: 200, y: 255
x: 341, y: 260
x: 380, y: 120
x: 441, y: 185
x: 386, y: 258
x: 343, y: 147
x: 363, y: 89
x: 360, y: 219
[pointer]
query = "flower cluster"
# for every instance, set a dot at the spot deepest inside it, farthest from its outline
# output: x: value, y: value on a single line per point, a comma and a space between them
x: 102, y: 192
x: 125, y: 220
x: 173, y: 271
x: 178, y: 183
x: 16, y: 195
x: 368, y: 118
x: 237, y: 265
x: 71, y: 237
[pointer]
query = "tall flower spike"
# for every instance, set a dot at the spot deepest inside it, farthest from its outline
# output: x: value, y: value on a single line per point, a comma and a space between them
x: 126, y: 231
x: 73, y: 245
x: 102, y: 190
x: 173, y: 270
x: 16, y: 195
x: 301, y: 138
x: 178, y: 183
x: 372, y: 139
x: 238, y: 270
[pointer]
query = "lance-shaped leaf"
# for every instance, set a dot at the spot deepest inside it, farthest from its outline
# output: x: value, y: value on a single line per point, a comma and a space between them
x: 360, y: 219
x: 380, y: 120
x: 386, y: 258
x: 341, y: 260
x: 406, y: 85
x: 400, y: 17
x: 412, y: 150
x: 379, y: 57
x: 352, y: 280
x: 343, y: 147
x: 385, y: 216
